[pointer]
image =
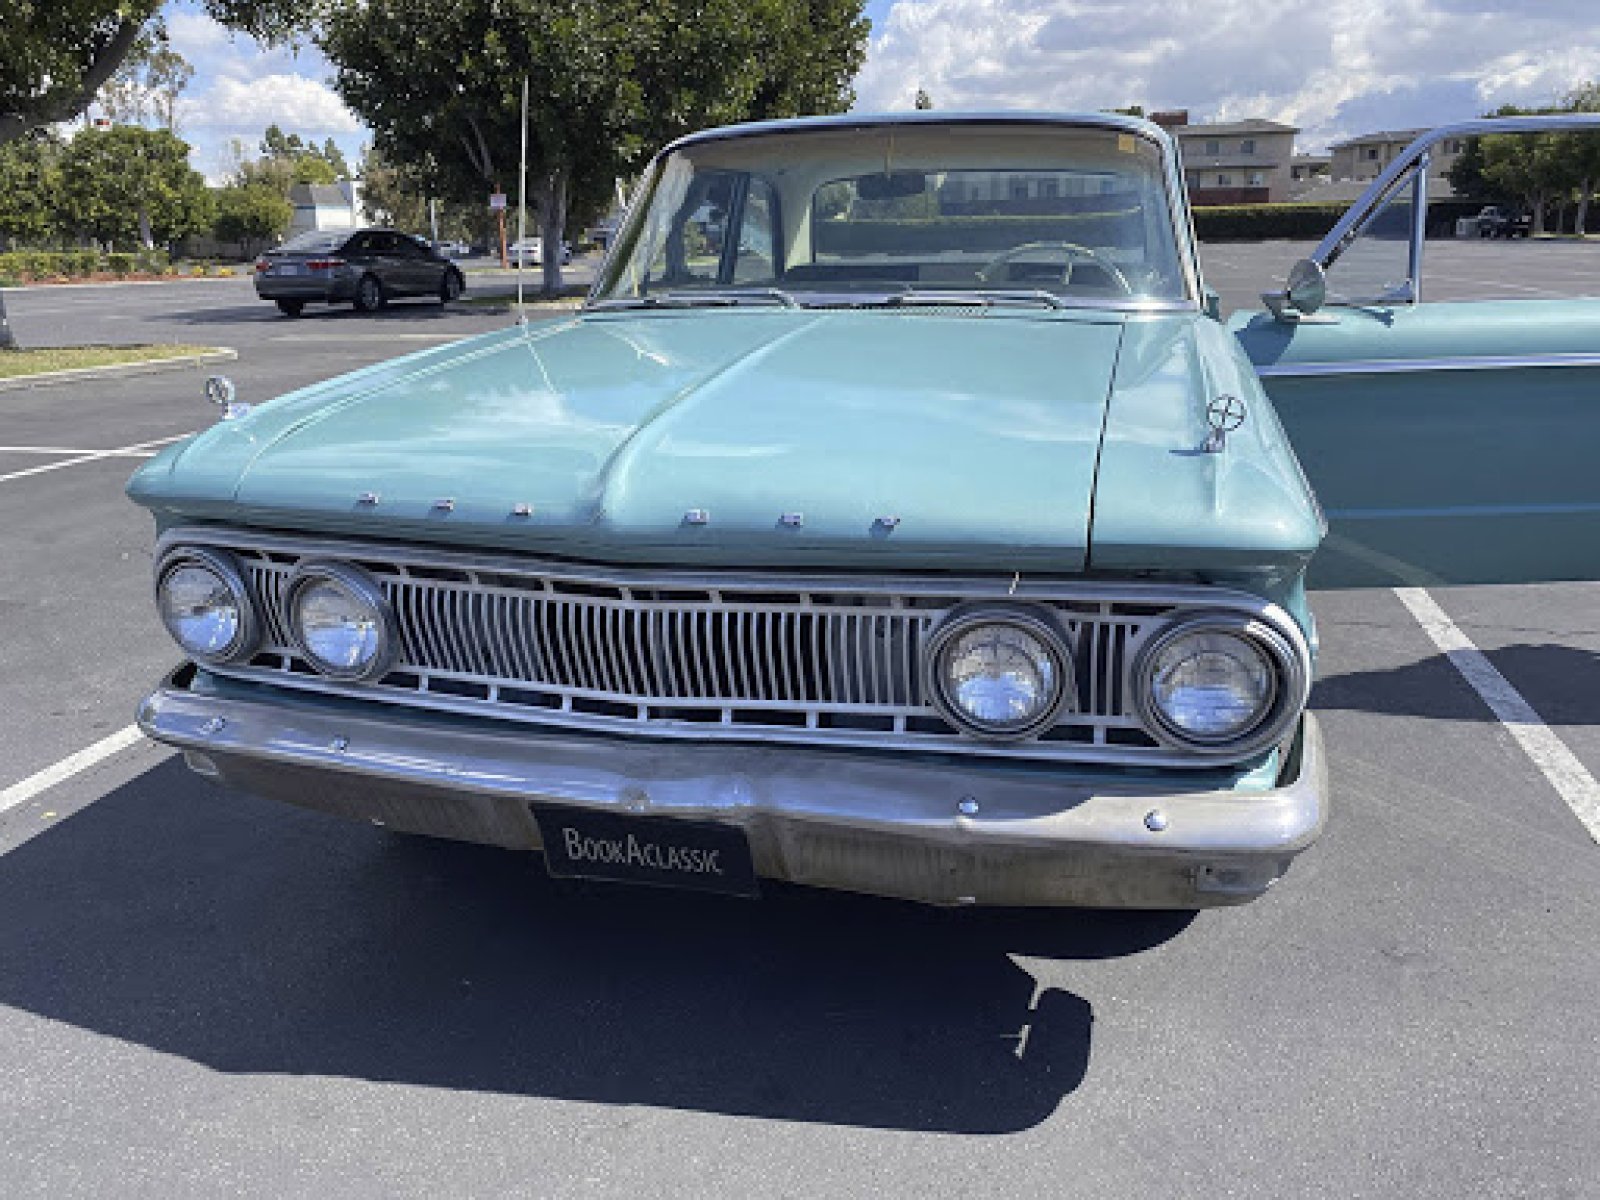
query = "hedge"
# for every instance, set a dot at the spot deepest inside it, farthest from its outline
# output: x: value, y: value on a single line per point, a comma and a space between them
x: 51, y: 264
x: 1305, y: 222
x: 1258, y: 222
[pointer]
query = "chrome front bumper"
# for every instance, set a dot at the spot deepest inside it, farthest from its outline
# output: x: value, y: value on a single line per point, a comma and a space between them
x: 940, y: 830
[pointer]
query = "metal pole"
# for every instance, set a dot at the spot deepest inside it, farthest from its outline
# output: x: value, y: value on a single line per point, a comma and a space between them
x: 522, y: 204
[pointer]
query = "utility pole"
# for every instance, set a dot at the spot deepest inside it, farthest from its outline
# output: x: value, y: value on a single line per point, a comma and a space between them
x: 500, y: 215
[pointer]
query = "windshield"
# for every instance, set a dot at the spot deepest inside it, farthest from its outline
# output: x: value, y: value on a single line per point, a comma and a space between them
x: 1064, y: 214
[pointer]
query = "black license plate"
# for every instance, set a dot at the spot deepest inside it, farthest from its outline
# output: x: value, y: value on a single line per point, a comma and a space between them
x: 703, y: 855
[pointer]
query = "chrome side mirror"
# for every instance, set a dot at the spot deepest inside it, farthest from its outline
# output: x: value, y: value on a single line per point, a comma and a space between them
x: 1307, y: 288
x: 1303, y: 294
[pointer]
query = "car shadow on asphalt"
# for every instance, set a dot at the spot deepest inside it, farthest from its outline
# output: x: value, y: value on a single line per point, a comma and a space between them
x: 401, y: 311
x: 1562, y: 683
x: 252, y: 937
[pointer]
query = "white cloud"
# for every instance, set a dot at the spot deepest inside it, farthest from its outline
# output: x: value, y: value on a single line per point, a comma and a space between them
x: 294, y: 102
x: 1335, y: 67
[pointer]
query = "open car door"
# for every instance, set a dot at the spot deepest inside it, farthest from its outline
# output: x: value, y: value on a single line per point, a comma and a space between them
x: 1449, y: 442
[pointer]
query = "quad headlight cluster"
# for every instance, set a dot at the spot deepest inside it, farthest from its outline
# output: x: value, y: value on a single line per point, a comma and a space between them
x: 336, y: 613
x: 1214, y: 683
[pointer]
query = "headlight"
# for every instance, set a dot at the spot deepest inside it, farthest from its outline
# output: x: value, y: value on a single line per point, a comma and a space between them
x: 338, y: 616
x: 1220, y: 683
x: 999, y: 673
x: 205, y: 604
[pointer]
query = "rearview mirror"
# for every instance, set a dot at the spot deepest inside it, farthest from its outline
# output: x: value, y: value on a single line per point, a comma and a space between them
x: 891, y: 185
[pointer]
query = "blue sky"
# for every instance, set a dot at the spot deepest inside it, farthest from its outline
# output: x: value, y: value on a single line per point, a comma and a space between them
x: 1334, y: 67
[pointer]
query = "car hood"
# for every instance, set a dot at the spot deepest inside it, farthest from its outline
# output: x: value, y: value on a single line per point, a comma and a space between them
x: 901, y: 438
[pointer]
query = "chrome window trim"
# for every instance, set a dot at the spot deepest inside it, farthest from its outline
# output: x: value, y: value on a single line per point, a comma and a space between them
x: 1127, y: 615
x: 1356, y: 216
x: 1410, y: 366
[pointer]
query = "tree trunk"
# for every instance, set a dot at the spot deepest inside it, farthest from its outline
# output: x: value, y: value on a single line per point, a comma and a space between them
x: 14, y: 125
x: 1538, y: 214
x: 552, y: 224
x: 7, y: 342
x: 1582, y: 222
x: 145, y: 236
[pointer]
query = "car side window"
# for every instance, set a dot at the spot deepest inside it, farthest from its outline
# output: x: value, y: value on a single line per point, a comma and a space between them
x: 1374, y: 265
x: 359, y: 246
x: 755, y: 258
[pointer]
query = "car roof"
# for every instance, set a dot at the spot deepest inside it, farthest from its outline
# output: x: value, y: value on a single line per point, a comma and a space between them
x: 1080, y: 120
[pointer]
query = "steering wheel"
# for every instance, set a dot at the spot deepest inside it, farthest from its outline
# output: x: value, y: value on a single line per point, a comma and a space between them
x: 1073, y: 250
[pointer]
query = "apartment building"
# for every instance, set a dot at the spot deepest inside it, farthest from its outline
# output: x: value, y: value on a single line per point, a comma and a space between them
x: 1233, y: 162
x: 1364, y: 158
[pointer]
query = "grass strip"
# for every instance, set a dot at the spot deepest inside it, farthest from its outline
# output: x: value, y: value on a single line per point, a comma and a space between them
x: 17, y: 363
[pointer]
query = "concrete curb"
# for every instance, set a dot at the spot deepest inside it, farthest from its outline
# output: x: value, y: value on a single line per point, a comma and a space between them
x: 149, y: 366
x: 123, y: 283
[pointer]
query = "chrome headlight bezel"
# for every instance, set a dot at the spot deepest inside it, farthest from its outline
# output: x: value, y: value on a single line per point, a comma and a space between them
x: 247, y: 637
x: 1289, y: 665
x: 365, y: 590
x: 1037, y: 625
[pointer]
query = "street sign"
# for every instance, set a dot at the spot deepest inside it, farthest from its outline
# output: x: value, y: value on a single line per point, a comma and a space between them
x: 497, y: 201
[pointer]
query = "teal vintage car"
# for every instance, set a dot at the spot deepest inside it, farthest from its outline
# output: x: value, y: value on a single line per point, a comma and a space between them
x: 897, y: 515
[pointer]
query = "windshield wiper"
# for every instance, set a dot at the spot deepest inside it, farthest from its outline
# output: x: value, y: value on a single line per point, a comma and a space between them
x: 1036, y: 297
x: 710, y: 298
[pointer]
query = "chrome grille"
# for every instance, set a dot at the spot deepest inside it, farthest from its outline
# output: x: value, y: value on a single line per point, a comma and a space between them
x: 753, y: 657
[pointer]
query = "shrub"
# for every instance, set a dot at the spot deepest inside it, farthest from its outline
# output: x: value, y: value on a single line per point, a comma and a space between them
x: 80, y: 262
x: 120, y: 263
x: 152, y: 261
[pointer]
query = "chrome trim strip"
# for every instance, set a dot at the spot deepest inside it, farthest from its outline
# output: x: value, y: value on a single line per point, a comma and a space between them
x: 1410, y: 366
x: 872, y: 698
x: 1463, y: 511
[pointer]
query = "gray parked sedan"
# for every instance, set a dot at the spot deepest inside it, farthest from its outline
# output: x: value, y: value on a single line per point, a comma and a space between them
x: 366, y: 267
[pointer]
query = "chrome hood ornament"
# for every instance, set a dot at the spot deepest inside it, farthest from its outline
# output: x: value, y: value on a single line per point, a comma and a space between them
x: 1224, y: 413
x: 221, y: 392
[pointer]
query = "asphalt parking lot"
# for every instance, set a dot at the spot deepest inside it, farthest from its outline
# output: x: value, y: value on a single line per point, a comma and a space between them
x: 204, y: 994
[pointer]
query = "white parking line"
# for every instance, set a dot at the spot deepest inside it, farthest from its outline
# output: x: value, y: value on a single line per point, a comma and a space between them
x: 92, y: 456
x: 1560, y: 766
x: 386, y: 337
x: 58, y: 450
x: 73, y: 764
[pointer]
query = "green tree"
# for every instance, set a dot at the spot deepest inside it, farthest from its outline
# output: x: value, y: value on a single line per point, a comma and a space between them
x: 391, y: 194
x: 128, y: 184
x: 1583, y: 151
x: 610, y: 80
x: 287, y: 159
x: 30, y: 172
x: 147, y: 85
x: 56, y: 55
x: 253, y: 214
